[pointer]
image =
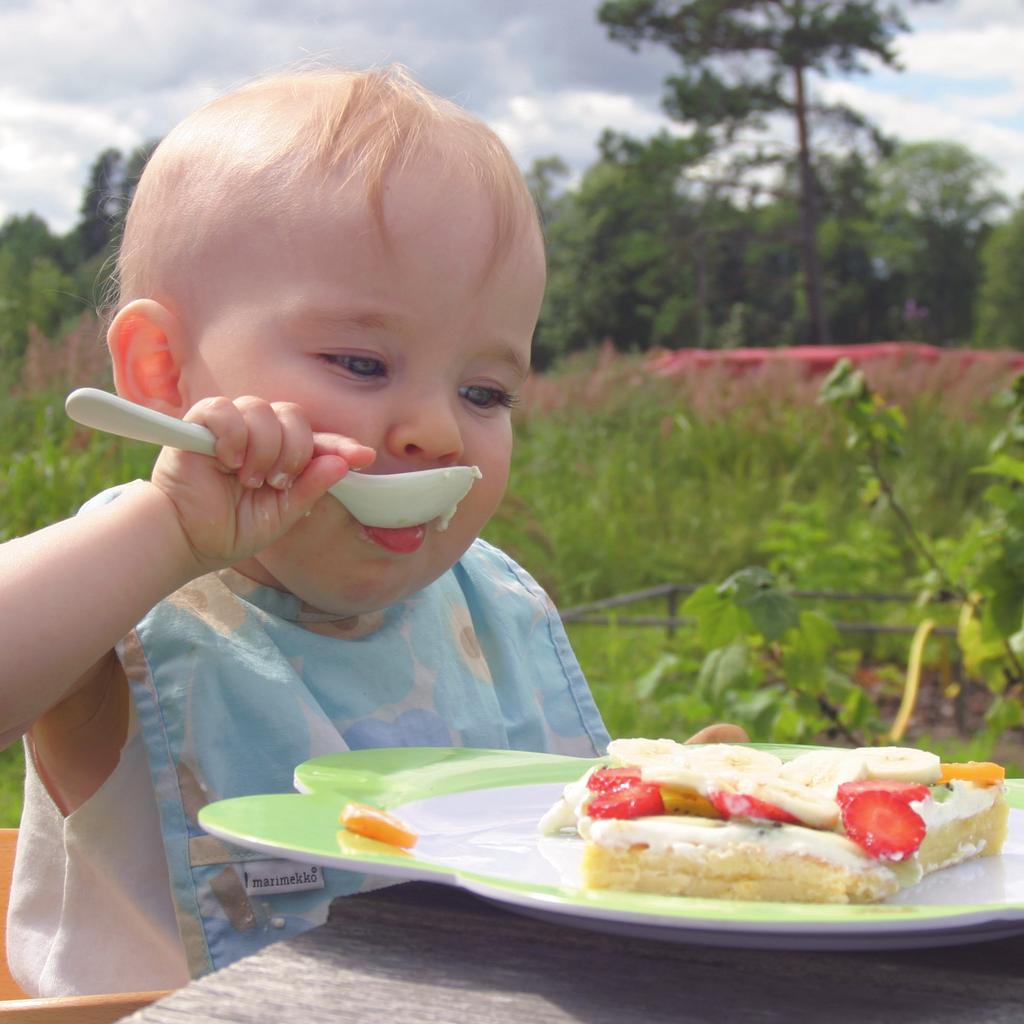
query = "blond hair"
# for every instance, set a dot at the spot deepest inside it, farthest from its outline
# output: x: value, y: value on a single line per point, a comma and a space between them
x: 250, y: 145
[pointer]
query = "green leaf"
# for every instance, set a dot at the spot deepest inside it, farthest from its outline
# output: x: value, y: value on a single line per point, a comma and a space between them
x: 723, y: 671
x: 807, y: 649
x: 755, y: 710
x: 871, y: 491
x: 1004, y: 466
x: 1002, y: 496
x: 807, y: 705
x: 743, y: 585
x: 701, y: 601
x: 1004, y: 600
x: 772, y: 611
x: 843, y: 384
x: 648, y: 683
x: 977, y: 648
x: 816, y: 635
x: 719, y: 620
x: 858, y: 710
x: 790, y: 726
x: 757, y: 702
x: 1004, y: 713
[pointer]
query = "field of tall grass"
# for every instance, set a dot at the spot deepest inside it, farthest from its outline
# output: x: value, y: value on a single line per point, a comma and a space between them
x: 622, y: 480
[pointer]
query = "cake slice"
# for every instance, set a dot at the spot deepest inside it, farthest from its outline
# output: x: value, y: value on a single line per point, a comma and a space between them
x: 734, y: 822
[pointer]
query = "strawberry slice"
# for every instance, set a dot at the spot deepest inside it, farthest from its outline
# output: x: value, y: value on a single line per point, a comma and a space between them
x: 742, y: 805
x: 608, y: 780
x: 640, y: 800
x: 883, y: 824
x: 905, y: 791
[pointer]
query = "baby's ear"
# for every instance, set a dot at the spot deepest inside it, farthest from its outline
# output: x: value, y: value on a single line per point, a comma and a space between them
x: 146, y: 342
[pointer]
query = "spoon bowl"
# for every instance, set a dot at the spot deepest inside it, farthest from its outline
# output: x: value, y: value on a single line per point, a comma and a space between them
x: 391, y: 502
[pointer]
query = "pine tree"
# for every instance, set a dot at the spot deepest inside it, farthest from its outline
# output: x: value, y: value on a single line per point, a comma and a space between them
x: 103, y: 202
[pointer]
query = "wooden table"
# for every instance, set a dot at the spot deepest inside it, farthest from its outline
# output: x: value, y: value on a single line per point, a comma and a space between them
x: 427, y: 953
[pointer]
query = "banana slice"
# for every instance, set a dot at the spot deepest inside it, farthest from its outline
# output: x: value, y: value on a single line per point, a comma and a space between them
x: 811, y: 807
x: 738, y: 758
x: 701, y: 768
x: 638, y: 752
x: 825, y: 770
x: 901, y: 764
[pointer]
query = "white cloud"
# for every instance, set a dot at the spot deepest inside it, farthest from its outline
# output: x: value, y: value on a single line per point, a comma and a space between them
x: 568, y: 123
x: 42, y: 146
x: 967, y: 13
x: 915, y: 120
x: 989, y: 52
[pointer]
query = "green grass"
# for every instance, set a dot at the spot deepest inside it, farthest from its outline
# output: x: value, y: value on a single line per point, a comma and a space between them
x: 12, y: 772
x: 606, y: 500
x: 49, y: 466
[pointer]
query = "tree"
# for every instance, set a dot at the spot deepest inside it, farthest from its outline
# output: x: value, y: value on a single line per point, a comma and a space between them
x: 625, y: 259
x: 933, y: 208
x: 744, y: 61
x: 104, y: 202
x: 542, y: 179
x: 47, y: 280
x: 108, y: 193
x: 643, y: 252
x: 861, y: 305
x: 1001, y: 301
x: 34, y: 289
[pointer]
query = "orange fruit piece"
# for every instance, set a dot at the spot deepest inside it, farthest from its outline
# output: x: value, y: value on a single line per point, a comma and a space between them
x: 373, y: 823
x: 984, y: 772
x: 688, y: 802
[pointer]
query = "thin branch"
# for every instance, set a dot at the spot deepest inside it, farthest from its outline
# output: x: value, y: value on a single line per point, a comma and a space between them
x: 926, y: 554
x: 915, y: 539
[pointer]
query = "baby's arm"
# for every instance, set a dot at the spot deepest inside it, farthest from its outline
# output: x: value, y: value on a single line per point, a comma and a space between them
x: 72, y: 590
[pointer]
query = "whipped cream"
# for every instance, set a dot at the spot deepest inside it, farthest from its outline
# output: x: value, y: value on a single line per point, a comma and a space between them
x: 965, y: 799
x: 567, y: 811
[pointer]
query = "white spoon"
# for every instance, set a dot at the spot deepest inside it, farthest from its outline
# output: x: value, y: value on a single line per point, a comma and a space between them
x: 400, y: 499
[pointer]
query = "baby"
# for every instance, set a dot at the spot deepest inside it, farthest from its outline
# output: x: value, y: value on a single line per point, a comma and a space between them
x: 330, y: 271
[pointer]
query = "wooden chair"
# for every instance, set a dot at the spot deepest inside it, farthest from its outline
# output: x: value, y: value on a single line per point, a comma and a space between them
x: 8, y: 840
x: 16, y: 1008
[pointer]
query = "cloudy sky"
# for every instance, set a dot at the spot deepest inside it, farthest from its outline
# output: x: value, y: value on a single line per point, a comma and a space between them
x: 77, y: 76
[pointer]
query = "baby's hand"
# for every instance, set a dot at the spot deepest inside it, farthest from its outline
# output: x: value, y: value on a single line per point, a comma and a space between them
x: 268, y: 471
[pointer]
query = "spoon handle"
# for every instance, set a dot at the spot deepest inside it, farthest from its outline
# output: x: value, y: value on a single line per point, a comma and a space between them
x: 114, y: 415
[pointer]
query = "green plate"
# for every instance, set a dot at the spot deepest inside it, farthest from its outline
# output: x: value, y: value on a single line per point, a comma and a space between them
x: 476, y: 814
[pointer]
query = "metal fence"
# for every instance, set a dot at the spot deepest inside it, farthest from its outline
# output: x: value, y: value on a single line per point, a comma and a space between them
x: 597, y: 612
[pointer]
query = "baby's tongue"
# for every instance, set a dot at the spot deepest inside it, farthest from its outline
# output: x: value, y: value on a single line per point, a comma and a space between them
x: 403, y: 540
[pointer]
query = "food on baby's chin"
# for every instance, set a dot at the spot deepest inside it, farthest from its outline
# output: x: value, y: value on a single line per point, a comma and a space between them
x: 447, y: 516
x: 373, y: 823
x: 734, y: 822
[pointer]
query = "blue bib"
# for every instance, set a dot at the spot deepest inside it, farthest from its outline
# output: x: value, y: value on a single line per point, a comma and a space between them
x: 235, y: 684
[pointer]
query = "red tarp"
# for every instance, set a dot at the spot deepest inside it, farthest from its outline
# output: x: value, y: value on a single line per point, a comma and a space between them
x: 819, y: 359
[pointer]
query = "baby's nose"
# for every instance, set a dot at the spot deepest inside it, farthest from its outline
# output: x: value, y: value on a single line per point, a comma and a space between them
x: 428, y: 431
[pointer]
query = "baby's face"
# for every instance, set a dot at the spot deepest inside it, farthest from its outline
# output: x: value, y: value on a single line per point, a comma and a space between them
x: 411, y: 345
